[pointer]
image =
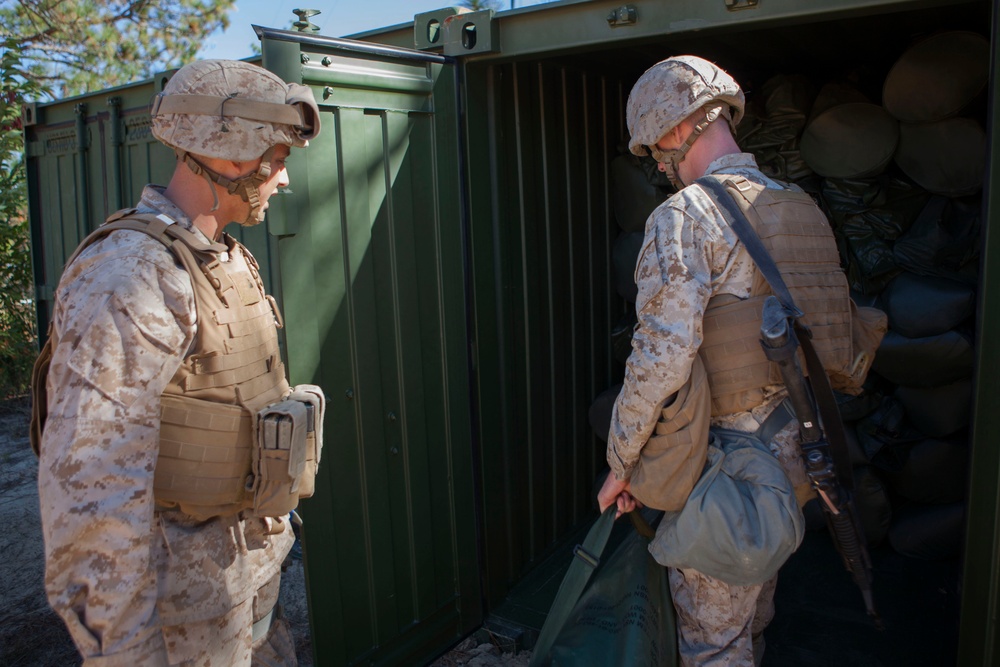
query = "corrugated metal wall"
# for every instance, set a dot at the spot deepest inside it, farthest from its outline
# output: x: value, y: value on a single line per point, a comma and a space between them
x: 374, y: 299
x: 542, y: 234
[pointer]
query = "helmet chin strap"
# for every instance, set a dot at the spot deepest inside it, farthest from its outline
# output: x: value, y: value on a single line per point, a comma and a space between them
x: 247, y: 187
x: 670, y: 160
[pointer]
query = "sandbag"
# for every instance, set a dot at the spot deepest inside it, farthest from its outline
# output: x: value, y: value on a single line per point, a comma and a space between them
x: 780, y: 108
x: 867, y: 215
x: 886, y: 433
x: 624, y: 256
x: 938, y: 411
x: 872, y: 503
x: 855, y: 452
x: 599, y: 414
x: 633, y: 197
x: 834, y: 94
x: 943, y: 240
x: 937, y: 77
x: 854, y: 140
x: 853, y: 408
x: 925, y: 362
x: 929, y: 532
x: 947, y: 157
x: 935, y: 472
x: 920, y: 306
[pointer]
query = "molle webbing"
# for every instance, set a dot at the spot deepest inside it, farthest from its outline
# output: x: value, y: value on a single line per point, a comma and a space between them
x: 233, y: 370
x: 235, y: 358
x: 234, y: 366
x: 798, y: 237
x: 205, y: 451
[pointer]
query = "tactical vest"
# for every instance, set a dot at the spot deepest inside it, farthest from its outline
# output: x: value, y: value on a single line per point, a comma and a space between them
x: 798, y: 237
x: 207, y: 463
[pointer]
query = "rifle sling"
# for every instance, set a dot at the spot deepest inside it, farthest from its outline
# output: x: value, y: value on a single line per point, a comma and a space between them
x: 826, y: 403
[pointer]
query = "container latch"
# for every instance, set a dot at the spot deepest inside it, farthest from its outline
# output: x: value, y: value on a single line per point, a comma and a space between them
x: 624, y: 15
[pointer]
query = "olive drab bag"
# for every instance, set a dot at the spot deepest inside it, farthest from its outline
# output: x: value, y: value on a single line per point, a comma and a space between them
x: 613, y: 606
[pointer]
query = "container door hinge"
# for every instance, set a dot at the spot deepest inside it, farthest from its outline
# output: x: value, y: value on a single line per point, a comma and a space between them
x: 456, y: 30
x: 29, y: 114
x: 624, y: 15
x: 428, y: 28
x: 735, y: 5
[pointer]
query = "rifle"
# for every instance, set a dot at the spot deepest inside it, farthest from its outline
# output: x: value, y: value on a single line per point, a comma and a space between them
x: 834, y: 487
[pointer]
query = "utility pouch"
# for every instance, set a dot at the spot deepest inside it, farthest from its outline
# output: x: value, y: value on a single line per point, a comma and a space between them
x: 279, y: 457
x: 314, y: 400
x: 673, y: 458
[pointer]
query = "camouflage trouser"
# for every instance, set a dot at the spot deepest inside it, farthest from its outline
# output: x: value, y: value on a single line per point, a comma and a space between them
x: 227, y: 641
x: 719, y: 625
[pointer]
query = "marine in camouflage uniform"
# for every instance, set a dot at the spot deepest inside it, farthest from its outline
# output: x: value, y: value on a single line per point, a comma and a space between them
x: 137, y: 582
x: 690, y: 255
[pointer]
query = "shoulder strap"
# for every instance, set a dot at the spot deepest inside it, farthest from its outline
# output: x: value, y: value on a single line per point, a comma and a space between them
x: 586, y: 558
x: 157, y: 225
x: 826, y: 402
x: 717, y: 191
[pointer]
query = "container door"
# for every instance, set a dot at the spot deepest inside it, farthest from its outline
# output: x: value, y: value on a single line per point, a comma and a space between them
x: 373, y: 286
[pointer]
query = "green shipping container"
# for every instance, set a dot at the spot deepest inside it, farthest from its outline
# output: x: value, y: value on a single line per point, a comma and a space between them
x: 444, y: 262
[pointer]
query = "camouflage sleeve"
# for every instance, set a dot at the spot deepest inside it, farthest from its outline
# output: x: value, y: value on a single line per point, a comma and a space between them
x: 123, y: 321
x: 682, y: 255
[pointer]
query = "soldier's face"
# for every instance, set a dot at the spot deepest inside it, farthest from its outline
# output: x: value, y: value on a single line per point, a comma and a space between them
x: 279, y: 175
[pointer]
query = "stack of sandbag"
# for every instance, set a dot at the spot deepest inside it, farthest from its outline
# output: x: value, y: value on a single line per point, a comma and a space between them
x: 772, y: 126
x: 901, y: 184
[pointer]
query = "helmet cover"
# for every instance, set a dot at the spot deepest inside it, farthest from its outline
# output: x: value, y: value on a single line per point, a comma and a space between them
x: 673, y: 89
x: 233, y: 110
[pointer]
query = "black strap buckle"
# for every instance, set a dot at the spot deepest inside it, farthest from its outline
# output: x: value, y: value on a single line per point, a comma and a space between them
x: 587, y: 557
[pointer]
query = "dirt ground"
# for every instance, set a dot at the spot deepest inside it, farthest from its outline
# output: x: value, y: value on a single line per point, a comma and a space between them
x: 32, y: 635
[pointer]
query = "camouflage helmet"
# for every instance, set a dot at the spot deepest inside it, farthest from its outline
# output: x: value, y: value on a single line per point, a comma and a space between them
x: 673, y: 89
x: 232, y: 110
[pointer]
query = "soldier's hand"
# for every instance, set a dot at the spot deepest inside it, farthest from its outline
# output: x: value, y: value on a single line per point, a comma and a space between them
x: 614, y: 491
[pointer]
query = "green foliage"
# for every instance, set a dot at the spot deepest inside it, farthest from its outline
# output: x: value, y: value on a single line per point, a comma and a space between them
x: 477, y: 5
x: 79, y: 46
x: 17, y: 315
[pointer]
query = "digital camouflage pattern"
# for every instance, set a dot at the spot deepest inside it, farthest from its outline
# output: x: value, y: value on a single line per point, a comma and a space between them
x: 215, y: 131
x: 134, y: 585
x: 720, y: 625
x: 689, y: 255
x: 670, y: 91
